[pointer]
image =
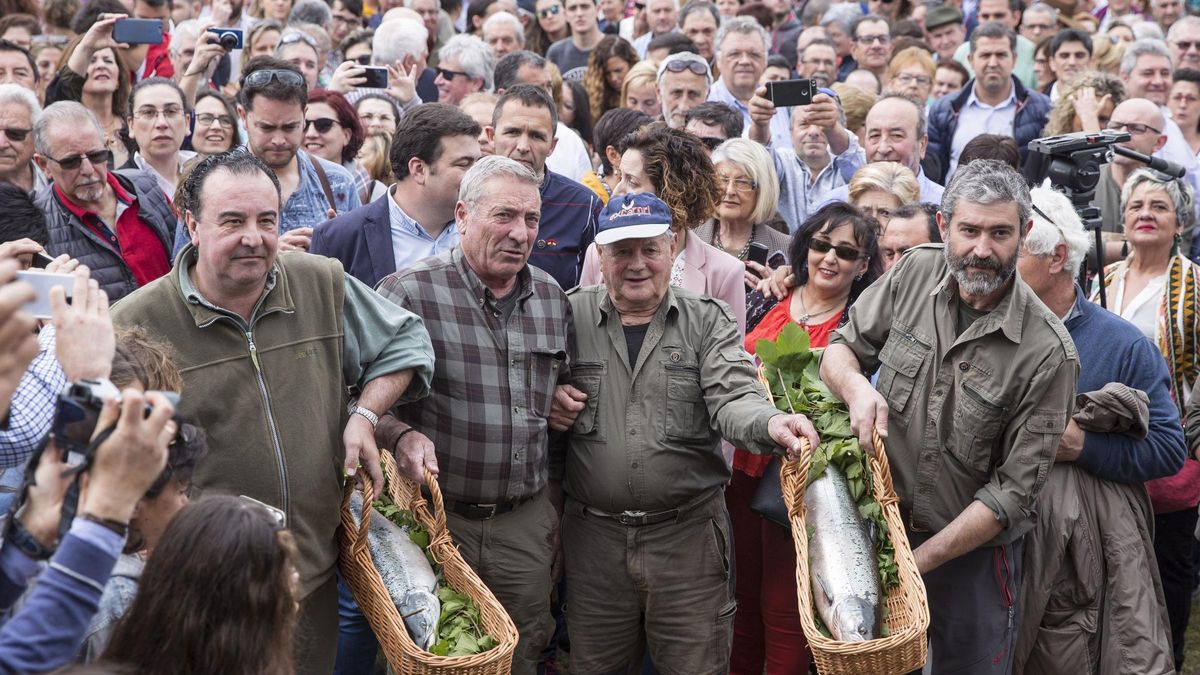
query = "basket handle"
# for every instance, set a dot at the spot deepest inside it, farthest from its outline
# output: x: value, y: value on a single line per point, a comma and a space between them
x: 364, y: 524
x: 881, y: 469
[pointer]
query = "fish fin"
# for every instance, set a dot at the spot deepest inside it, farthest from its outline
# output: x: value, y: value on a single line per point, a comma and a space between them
x: 824, y: 589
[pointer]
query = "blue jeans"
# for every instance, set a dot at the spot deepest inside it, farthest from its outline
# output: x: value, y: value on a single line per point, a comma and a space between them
x: 357, y: 645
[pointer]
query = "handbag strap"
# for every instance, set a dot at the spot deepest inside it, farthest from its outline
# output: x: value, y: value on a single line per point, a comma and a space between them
x: 324, y: 180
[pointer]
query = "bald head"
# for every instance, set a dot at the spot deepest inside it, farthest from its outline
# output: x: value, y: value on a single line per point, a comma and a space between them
x: 401, y: 13
x: 1143, y: 120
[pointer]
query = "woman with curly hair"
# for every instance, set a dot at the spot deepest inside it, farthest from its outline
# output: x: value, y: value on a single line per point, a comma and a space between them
x: 608, y: 65
x: 674, y: 166
x: 1085, y: 105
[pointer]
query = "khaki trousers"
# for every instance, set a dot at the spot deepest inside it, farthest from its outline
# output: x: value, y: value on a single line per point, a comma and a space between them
x: 512, y: 553
x: 664, y: 587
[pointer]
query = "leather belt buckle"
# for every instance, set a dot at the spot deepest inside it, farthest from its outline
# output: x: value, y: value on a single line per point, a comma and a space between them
x: 631, y: 518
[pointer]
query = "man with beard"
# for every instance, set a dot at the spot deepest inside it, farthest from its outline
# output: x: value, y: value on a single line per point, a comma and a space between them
x: 994, y: 102
x: 976, y: 383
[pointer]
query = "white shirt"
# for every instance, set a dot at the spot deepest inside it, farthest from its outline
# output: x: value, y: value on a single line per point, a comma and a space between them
x: 978, y: 118
x: 570, y: 157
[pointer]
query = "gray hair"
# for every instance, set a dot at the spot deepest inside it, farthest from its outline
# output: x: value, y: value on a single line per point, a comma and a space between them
x: 685, y: 57
x: 1179, y: 192
x: 742, y: 25
x: 843, y: 14
x: 63, y: 112
x: 473, y: 56
x: 988, y: 181
x: 475, y: 180
x: 694, y: 6
x: 753, y: 158
x: 305, y: 39
x: 1147, y: 30
x: 310, y: 11
x: 190, y: 28
x: 505, y: 19
x: 1062, y: 226
x: 1041, y: 8
x: 397, y: 40
x: 15, y: 93
x: 1181, y: 24
x: 1139, y: 48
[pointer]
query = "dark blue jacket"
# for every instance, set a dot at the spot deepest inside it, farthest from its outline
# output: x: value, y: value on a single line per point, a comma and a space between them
x: 1032, y: 109
x: 570, y: 213
x: 361, y: 240
x: 1112, y: 350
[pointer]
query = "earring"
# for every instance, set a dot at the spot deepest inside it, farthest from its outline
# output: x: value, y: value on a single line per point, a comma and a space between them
x: 860, y: 276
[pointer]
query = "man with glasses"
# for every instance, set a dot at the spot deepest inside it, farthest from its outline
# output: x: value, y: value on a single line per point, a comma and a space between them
x: 683, y: 83
x: 571, y: 53
x: 1039, y: 22
x: 1184, y: 40
x: 1007, y: 12
x: 465, y: 66
x: 872, y: 48
x: 19, y: 109
x: 742, y: 46
x: 118, y: 223
x: 993, y: 102
x: 818, y: 60
x: 1143, y: 121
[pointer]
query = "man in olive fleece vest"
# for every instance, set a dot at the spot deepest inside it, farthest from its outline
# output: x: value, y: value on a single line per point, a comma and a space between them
x: 268, y: 347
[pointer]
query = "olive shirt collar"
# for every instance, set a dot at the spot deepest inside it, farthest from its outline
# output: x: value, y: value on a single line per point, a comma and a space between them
x: 204, y: 312
x: 667, y: 308
x: 1008, y: 315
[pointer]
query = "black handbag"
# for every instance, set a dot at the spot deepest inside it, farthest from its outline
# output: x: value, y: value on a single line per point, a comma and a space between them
x: 768, y: 498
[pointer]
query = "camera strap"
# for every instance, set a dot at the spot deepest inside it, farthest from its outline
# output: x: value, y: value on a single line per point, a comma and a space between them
x: 71, y: 498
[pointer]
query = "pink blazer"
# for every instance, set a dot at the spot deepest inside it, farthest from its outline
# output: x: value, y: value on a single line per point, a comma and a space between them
x: 706, y: 270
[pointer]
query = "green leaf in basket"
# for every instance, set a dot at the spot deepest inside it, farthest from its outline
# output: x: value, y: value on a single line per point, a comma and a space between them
x: 440, y: 648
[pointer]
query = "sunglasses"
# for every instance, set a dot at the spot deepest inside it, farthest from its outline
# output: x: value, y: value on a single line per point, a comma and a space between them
x: 552, y: 10
x: 293, y: 38
x: 1185, y: 45
x: 15, y: 135
x: 261, y: 78
x: 449, y: 75
x: 323, y: 124
x: 96, y: 157
x: 363, y: 59
x: 680, y: 65
x: 276, y: 515
x: 823, y: 246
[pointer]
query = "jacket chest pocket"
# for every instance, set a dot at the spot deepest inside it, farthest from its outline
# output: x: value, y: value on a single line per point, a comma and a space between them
x: 900, y: 364
x: 586, y: 376
x: 545, y: 364
x: 686, y: 413
x: 978, y: 420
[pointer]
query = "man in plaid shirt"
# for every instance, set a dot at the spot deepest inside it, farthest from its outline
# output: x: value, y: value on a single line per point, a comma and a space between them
x: 501, y: 330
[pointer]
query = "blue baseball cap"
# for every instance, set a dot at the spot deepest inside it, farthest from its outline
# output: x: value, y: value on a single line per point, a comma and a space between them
x: 635, y: 216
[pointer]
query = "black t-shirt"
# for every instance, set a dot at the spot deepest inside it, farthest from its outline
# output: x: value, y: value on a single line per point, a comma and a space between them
x: 634, y: 337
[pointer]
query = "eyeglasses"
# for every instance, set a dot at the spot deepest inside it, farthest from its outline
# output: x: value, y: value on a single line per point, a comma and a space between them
x: 909, y: 78
x: 1185, y: 45
x: 871, y: 39
x: 276, y: 514
x: 383, y: 118
x: 552, y: 10
x: 96, y: 157
x: 1037, y: 27
x: 680, y: 65
x: 15, y: 135
x: 1131, y: 127
x: 207, y: 119
x: 323, y: 124
x: 1186, y: 99
x: 345, y: 21
x: 261, y: 78
x: 293, y: 38
x: 150, y: 113
x: 823, y: 246
x: 449, y: 75
x: 739, y: 184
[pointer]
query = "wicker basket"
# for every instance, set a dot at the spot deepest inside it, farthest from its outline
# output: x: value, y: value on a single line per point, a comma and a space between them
x: 403, y: 655
x: 904, y: 649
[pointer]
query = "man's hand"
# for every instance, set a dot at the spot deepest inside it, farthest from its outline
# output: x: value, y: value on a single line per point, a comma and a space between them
x: 414, y: 455
x: 84, y: 341
x: 208, y: 52
x: 131, y: 459
x: 402, y: 82
x: 778, y: 283
x: 359, y: 439
x: 22, y: 249
x: 298, y: 239
x: 18, y: 342
x: 868, y: 413
x: 348, y: 77
x: 1071, y: 443
x: 788, y: 430
x: 42, y: 511
x: 761, y: 113
x: 822, y: 112
x: 565, y: 408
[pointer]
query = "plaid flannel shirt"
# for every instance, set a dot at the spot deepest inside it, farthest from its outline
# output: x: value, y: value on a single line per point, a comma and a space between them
x: 33, y: 404
x: 488, y: 411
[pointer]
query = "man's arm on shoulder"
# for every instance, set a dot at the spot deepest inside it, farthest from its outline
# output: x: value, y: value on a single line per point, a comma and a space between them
x: 381, y: 339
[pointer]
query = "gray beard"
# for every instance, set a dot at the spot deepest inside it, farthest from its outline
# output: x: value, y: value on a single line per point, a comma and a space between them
x: 978, y: 283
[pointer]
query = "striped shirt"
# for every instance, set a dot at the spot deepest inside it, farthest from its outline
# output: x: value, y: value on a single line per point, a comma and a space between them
x: 494, y: 381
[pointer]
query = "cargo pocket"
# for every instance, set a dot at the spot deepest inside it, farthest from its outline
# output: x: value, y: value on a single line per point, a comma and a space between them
x: 586, y: 377
x: 719, y: 540
x: 978, y: 420
x: 1062, y: 649
x: 687, y: 415
x: 900, y: 363
x: 545, y: 363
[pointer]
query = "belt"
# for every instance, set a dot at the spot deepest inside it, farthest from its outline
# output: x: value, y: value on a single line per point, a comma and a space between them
x: 486, y: 511
x: 642, y: 518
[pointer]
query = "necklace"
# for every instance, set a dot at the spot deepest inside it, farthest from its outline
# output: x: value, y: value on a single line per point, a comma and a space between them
x: 807, y: 316
x: 720, y: 241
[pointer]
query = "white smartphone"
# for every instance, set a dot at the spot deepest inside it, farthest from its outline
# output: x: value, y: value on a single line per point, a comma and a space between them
x: 42, y: 281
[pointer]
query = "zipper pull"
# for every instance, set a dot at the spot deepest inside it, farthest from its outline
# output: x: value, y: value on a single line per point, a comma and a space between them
x: 253, y: 352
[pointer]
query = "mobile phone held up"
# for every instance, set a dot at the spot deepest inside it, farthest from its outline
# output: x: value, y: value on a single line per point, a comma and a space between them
x: 788, y: 93
x: 42, y: 281
x: 377, y: 78
x: 138, y: 31
x: 229, y: 38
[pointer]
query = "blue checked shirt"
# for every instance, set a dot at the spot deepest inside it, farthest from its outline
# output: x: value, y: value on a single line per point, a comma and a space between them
x: 307, y: 206
x: 33, y: 404
x: 410, y: 241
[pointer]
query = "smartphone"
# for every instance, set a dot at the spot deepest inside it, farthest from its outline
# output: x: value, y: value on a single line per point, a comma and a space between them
x: 40, y: 260
x: 42, y: 281
x: 788, y: 93
x: 377, y: 78
x: 757, y: 253
x: 138, y: 31
x: 229, y: 38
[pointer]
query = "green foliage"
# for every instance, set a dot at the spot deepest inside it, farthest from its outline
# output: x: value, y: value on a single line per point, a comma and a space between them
x: 460, y: 627
x: 792, y: 370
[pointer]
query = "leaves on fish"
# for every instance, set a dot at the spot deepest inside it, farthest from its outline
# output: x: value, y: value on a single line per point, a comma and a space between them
x: 792, y: 370
x: 460, y: 626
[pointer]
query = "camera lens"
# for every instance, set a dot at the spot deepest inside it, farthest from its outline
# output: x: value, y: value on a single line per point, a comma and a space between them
x: 228, y: 41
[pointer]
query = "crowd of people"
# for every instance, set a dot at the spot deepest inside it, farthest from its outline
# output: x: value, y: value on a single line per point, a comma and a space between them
x: 529, y: 247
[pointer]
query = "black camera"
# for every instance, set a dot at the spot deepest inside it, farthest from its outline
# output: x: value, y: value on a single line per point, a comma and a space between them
x: 79, y: 409
x: 229, y: 38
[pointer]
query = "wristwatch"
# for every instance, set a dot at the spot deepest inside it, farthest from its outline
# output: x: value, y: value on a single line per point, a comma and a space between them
x: 371, y: 417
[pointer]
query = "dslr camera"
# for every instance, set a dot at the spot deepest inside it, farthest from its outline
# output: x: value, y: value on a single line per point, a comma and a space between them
x: 79, y: 407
